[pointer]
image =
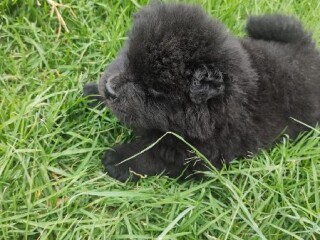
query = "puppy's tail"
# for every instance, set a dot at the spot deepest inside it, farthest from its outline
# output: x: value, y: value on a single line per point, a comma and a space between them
x: 278, y: 28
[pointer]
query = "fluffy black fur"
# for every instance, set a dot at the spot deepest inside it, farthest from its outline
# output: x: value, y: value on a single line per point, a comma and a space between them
x: 181, y: 71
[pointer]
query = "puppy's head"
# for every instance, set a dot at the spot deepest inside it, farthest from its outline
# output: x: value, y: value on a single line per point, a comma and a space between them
x: 176, y: 72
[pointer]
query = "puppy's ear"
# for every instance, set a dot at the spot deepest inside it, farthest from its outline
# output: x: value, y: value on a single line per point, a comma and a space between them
x: 207, y: 82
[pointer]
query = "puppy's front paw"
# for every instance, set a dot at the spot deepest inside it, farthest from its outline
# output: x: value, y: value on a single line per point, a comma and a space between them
x: 116, y: 169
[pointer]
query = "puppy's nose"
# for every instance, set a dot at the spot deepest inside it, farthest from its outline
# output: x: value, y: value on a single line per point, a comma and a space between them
x: 110, y: 92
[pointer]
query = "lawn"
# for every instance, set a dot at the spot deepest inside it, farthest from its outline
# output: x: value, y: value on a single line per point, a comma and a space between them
x: 52, y: 184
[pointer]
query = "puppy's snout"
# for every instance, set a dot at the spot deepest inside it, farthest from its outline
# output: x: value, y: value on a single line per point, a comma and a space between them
x: 110, y: 92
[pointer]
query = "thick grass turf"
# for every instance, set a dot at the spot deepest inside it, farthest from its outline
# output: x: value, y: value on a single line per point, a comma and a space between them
x: 51, y: 180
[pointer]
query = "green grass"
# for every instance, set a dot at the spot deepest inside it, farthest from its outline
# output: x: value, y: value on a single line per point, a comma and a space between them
x: 51, y: 180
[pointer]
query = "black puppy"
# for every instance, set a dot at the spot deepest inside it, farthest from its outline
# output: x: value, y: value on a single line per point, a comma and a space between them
x: 181, y: 71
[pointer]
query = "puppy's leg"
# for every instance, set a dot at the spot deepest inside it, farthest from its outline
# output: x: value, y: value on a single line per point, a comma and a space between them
x: 91, y: 92
x: 162, y: 158
x: 277, y: 28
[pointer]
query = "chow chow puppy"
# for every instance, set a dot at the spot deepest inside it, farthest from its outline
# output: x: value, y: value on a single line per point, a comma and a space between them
x: 182, y: 71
